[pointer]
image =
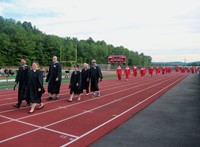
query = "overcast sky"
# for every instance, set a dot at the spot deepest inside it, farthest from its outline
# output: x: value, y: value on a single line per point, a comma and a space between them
x: 167, y: 30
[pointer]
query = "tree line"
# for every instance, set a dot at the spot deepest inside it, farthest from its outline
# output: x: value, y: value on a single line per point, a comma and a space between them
x: 19, y: 39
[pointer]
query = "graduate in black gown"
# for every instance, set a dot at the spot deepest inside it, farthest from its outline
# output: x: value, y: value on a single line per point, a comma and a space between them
x: 85, y: 74
x: 54, y: 78
x: 95, y: 77
x: 21, y: 78
x: 35, y: 87
x: 75, y: 83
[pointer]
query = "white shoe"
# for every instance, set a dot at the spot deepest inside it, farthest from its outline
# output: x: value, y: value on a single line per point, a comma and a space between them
x: 99, y: 93
x: 93, y: 95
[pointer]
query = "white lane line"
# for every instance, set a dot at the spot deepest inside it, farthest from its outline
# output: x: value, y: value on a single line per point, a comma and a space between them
x: 15, y: 94
x: 103, y: 105
x: 1, y: 141
x: 64, y: 99
x: 37, y: 129
x: 118, y: 115
x: 63, y: 88
x: 71, y: 116
x: 86, y: 100
x: 43, y: 98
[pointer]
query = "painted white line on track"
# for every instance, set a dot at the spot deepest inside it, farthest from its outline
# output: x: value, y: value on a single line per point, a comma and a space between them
x: 118, y: 115
x: 37, y: 129
x: 63, y: 88
x: 60, y: 94
x: 66, y: 94
x: 84, y: 113
x: 80, y: 102
x: 89, y: 99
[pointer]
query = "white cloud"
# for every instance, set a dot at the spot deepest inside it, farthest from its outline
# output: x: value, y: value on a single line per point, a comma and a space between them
x: 141, y: 25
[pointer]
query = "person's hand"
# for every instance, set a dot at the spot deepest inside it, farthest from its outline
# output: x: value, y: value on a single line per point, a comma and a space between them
x: 76, y: 84
x: 39, y: 89
x: 57, y: 79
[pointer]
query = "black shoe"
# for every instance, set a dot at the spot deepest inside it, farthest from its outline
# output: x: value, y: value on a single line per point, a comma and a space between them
x: 57, y: 98
x: 49, y: 98
x: 16, y: 106
x: 31, y: 112
x: 69, y: 100
x: 40, y: 107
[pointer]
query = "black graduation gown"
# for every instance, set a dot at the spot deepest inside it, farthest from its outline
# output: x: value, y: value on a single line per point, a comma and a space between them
x: 55, y: 71
x: 95, y: 74
x: 35, y: 81
x: 21, y: 78
x: 85, y: 78
x: 75, y: 78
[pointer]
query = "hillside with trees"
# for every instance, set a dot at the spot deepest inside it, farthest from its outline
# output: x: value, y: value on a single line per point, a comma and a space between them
x: 18, y: 39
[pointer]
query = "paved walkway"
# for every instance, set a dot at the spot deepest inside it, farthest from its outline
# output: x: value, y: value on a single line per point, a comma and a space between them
x: 171, y: 121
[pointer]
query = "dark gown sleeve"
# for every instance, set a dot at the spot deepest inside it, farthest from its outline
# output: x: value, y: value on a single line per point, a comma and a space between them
x: 27, y: 76
x: 71, y: 80
x: 99, y: 72
x: 40, y: 79
x: 59, y: 72
x: 47, y: 79
x: 17, y: 77
x: 80, y: 81
x: 40, y: 82
x: 89, y: 72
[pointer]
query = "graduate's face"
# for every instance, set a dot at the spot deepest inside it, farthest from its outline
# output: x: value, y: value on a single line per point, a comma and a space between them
x: 54, y: 59
x: 23, y: 61
x: 93, y: 63
x: 85, y: 66
x: 34, y: 66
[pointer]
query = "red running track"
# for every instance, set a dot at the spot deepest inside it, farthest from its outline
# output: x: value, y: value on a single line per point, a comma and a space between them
x: 79, y: 123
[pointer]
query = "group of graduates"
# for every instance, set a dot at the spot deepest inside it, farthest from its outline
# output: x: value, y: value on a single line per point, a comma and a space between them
x: 31, y: 82
x: 187, y: 69
x: 151, y: 69
x: 80, y: 80
x: 127, y: 71
x: 30, y: 85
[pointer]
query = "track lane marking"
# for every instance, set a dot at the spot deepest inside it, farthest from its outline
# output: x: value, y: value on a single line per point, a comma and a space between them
x: 84, y: 112
x: 117, y: 116
x: 114, y: 83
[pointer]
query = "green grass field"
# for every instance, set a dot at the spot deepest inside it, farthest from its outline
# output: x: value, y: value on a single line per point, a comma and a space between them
x: 10, y: 84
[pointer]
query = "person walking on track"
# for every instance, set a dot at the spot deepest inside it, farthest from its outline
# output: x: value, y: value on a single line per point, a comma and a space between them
x: 35, y: 87
x: 21, y: 78
x: 95, y: 77
x: 75, y: 83
x: 54, y: 78
x: 85, y: 73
